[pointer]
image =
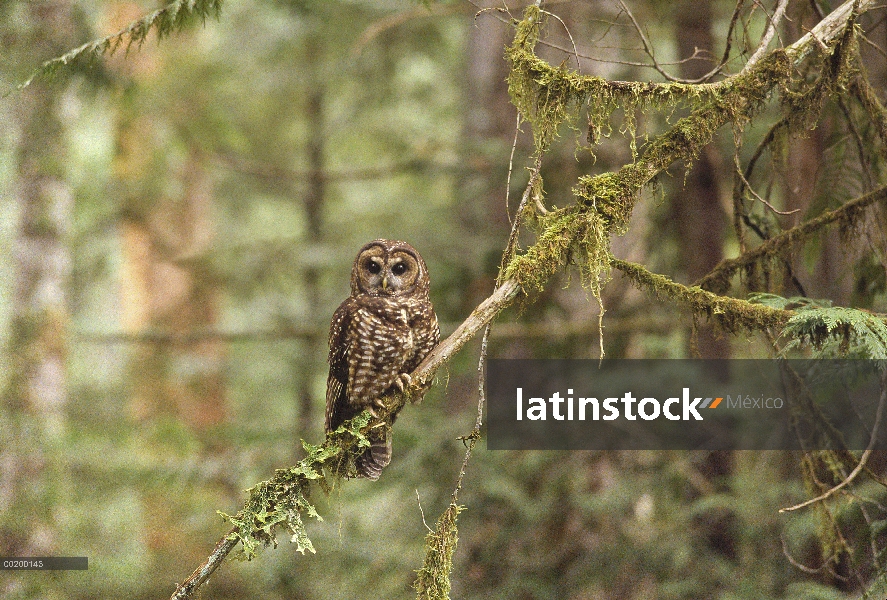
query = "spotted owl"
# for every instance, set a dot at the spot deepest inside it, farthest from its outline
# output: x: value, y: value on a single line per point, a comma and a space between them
x: 378, y: 336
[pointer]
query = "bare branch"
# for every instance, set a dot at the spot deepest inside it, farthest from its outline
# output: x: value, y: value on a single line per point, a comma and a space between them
x: 755, y: 194
x: 569, y: 35
x: 202, y: 573
x: 768, y: 36
x: 730, y: 265
x: 379, y: 27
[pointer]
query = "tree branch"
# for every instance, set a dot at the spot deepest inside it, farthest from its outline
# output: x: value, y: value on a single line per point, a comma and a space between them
x: 482, y: 315
x: 862, y: 460
x: 164, y: 21
x: 767, y: 38
x: 719, y: 276
x: 202, y: 573
x: 729, y: 313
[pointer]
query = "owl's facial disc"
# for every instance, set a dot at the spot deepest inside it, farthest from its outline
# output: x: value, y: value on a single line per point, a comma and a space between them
x: 382, y: 270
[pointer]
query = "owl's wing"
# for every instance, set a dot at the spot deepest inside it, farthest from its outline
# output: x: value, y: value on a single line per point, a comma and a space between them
x: 337, y: 381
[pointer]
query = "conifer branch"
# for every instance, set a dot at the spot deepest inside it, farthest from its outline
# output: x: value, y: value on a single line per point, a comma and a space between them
x: 172, y: 17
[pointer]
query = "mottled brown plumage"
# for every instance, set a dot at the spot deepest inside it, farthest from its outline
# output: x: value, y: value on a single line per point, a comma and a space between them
x: 378, y: 336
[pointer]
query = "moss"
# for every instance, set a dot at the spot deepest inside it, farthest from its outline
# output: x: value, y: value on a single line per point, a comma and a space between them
x: 433, y: 580
x: 731, y: 314
x: 569, y: 235
x: 548, y: 96
x: 868, y: 98
x: 283, y: 500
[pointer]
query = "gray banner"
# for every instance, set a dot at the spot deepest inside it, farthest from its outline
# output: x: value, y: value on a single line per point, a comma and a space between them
x: 43, y: 563
x: 685, y: 404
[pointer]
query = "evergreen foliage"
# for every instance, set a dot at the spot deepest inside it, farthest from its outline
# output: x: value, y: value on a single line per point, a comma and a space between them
x: 165, y: 21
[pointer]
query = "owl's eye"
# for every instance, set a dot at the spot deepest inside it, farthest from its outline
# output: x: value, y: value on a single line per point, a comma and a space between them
x: 399, y: 268
x: 373, y: 267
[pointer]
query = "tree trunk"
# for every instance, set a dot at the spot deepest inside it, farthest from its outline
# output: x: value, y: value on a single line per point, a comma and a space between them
x: 35, y: 396
x: 696, y: 210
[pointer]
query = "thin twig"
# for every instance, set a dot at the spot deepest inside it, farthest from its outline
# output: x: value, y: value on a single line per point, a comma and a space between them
x: 799, y: 566
x: 511, y: 168
x: 755, y: 194
x: 202, y: 573
x: 862, y: 460
x: 379, y: 27
x: 648, y: 49
x: 510, y: 250
x: 569, y: 35
x: 419, y: 502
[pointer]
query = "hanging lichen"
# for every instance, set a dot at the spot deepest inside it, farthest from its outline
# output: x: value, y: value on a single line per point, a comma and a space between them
x: 433, y: 580
x: 549, y: 96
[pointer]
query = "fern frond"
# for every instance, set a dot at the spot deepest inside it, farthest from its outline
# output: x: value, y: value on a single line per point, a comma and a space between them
x: 171, y: 18
x: 857, y: 332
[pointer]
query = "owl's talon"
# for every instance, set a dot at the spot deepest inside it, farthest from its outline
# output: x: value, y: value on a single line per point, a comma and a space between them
x: 403, y: 381
x: 378, y: 403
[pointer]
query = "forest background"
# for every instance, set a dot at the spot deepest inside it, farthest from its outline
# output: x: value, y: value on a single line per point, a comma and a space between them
x: 179, y: 219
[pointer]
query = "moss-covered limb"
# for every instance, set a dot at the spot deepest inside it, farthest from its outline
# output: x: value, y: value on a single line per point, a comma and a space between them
x: 847, y: 216
x: 170, y: 18
x: 731, y: 314
x: 737, y: 101
x: 433, y: 579
x: 829, y: 28
x: 546, y: 96
x: 570, y: 234
x: 283, y: 500
x: 606, y: 201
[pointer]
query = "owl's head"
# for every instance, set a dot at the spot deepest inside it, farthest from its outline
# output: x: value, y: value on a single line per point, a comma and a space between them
x: 389, y: 268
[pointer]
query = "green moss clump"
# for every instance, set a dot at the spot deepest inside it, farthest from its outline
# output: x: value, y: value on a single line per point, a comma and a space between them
x: 570, y: 235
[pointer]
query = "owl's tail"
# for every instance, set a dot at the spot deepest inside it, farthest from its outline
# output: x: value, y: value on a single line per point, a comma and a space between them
x: 376, y: 457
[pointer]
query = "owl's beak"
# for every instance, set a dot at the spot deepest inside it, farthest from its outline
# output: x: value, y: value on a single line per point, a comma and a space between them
x: 385, y: 283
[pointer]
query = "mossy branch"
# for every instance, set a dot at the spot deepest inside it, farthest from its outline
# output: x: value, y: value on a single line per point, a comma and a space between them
x: 173, y: 17
x: 718, y: 280
x: 731, y: 314
x: 547, y: 96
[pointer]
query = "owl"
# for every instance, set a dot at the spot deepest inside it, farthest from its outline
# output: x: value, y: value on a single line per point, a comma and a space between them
x: 378, y: 336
